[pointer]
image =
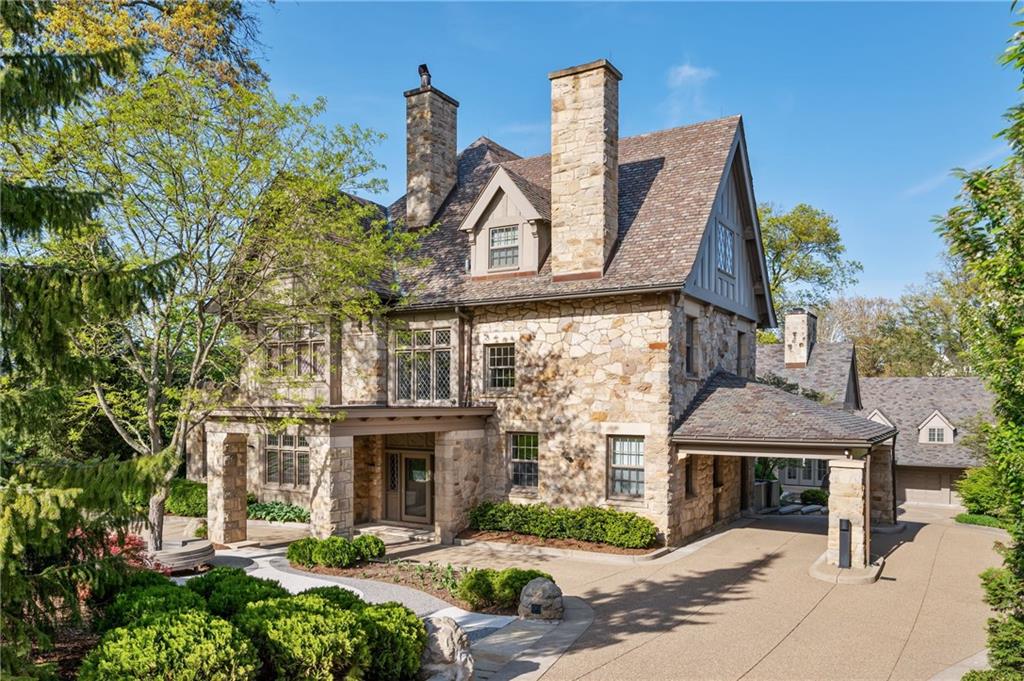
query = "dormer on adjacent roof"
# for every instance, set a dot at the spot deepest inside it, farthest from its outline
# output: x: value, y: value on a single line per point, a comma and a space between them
x: 936, y: 430
x: 878, y: 417
x: 509, y: 227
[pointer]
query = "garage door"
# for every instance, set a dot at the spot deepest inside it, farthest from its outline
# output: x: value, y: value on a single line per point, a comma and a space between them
x: 926, y: 486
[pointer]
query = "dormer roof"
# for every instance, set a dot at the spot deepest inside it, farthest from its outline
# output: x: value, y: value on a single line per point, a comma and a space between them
x: 931, y: 417
x: 532, y: 201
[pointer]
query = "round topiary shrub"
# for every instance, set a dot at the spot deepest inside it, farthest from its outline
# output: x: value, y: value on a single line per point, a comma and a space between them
x: 509, y: 583
x: 477, y: 587
x: 132, y: 605
x: 207, y: 583
x: 396, y: 638
x: 186, y: 646
x: 337, y: 596
x: 231, y: 594
x: 306, y: 637
x: 113, y: 583
x: 335, y: 552
x: 369, y: 547
x: 301, y: 552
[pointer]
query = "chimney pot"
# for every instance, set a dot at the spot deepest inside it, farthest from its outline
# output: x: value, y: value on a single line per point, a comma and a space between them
x: 424, y: 76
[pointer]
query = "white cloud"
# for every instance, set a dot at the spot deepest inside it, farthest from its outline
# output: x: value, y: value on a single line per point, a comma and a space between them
x: 686, y: 84
x: 930, y: 184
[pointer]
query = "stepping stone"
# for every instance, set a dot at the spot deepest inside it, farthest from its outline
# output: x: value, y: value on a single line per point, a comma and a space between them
x: 813, y: 508
x: 791, y: 508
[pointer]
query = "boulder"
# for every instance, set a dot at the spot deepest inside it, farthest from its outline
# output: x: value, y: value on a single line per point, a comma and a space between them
x: 446, y: 656
x: 541, y: 599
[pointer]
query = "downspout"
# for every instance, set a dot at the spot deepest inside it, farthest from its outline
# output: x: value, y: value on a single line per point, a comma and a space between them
x: 465, y: 356
x: 892, y: 465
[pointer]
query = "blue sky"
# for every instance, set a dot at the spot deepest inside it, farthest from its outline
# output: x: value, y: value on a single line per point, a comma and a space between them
x: 860, y: 109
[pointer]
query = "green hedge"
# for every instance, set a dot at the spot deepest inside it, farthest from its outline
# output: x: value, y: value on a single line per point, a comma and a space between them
x: 301, y: 552
x: 978, y: 519
x: 486, y: 587
x: 306, y: 637
x: 593, y: 524
x: 335, y: 551
x: 188, y: 498
x: 132, y: 605
x: 396, y: 637
x: 369, y: 547
x: 337, y: 596
x: 185, y: 646
x: 814, y: 496
x: 980, y: 492
x: 228, y: 590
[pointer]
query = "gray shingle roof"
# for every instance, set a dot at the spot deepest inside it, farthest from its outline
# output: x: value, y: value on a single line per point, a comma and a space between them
x: 668, y: 181
x: 729, y: 407
x: 908, y: 401
x: 828, y: 369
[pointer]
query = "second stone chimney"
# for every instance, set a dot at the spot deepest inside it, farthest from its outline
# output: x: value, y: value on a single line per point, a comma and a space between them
x: 430, y: 150
x: 799, y: 335
x: 584, y: 169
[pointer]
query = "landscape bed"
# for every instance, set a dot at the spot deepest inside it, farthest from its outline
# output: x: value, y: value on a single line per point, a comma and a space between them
x: 506, y: 537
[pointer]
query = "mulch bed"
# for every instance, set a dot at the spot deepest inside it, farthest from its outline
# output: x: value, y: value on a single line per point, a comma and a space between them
x: 531, y: 540
x: 421, y: 576
x: 70, y: 646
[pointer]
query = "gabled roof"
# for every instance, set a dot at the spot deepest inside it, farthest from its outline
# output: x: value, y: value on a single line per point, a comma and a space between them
x: 731, y: 408
x: 949, y: 424
x: 531, y: 200
x: 828, y: 369
x: 910, y: 401
x: 668, y: 183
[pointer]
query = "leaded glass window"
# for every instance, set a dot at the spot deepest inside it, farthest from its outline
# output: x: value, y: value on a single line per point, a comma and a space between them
x: 297, y: 350
x: 626, y: 477
x: 423, y: 365
x: 286, y: 460
x: 503, y: 249
x: 726, y: 249
x: 523, y: 448
x: 501, y: 366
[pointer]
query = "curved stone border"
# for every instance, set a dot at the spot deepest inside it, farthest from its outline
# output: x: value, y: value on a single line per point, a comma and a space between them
x: 820, y: 569
x: 552, y: 552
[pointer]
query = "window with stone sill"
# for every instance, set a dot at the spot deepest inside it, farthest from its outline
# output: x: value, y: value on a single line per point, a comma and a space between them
x: 423, y: 363
x: 523, y: 450
x: 500, y: 366
x: 626, y: 466
x: 286, y: 460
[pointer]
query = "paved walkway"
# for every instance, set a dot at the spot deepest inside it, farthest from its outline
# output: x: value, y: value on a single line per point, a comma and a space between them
x: 744, y: 607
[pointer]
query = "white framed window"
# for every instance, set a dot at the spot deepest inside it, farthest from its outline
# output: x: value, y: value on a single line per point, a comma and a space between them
x: 936, y: 435
x: 524, y: 449
x: 297, y: 350
x: 423, y: 365
x: 500, y: 365
x: 689, y: 338
x: 286, y: 460
x: 626, y: 466
x: 726, y: 249
x: 503, y: 247
x: 807, y: 471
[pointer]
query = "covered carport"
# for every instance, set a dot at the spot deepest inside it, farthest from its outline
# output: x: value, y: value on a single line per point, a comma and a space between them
x: 735, y: 416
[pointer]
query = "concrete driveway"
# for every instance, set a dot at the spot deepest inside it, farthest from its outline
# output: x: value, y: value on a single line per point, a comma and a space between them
x: 743, y: 606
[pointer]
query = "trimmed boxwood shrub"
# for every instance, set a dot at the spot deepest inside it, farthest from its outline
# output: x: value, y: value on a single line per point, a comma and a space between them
x: 186, y: 646
x: 335, y: 552
x: 301, y: 552
x: 509, y: 583
x: 604, y: 525
x: 306, y: 637
x: 814, y: 496
x: 114, y: 583
x: 369, y: 547
x: 131, y: 605
x: 205, y: 584
x: 337, y: 596
x: 477, y: 587
x: 226, y: 594
x: 397, y: 638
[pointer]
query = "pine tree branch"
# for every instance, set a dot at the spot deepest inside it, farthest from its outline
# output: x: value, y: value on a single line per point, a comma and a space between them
x: 116, y: 422
x: 26, y: 211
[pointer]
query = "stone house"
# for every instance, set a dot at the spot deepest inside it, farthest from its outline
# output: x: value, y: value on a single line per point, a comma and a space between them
x: 554, y: 348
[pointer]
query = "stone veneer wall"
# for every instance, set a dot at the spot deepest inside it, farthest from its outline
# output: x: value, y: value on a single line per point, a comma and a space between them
x: 369, y: 478
x: 882, y: 492
x: 362, y: 360
x: 431, y: 153
x: 458, y: 479
x: 585, y: 369
x: 846, y: 500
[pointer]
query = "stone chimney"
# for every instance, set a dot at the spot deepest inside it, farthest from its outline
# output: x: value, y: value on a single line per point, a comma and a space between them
x: 430, y: 150
x: 800, y: 332
x: 584, y: 169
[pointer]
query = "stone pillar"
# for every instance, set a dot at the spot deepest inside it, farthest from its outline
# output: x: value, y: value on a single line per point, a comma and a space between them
x: 458, y: 480
x: 883, y: 507
x: 847, y: 480
x: 226, y: 513
x: 332, y: 493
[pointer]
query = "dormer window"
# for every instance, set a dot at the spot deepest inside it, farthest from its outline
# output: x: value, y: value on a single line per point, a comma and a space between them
x: 936, y: 435
x: 936, y: 430
x: 503, y: 249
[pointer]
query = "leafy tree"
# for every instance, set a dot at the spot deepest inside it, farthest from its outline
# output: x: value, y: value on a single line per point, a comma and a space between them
x: 805, y: 255
x: 249, y: 196
x: 986, y: 230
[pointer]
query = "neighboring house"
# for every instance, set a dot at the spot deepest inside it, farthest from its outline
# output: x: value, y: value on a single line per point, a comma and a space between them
x: 556, y: 349
x: 828, y: 369
x: 935, y: 416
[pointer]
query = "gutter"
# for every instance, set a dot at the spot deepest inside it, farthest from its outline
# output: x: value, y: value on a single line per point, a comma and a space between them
x: 838, y: 444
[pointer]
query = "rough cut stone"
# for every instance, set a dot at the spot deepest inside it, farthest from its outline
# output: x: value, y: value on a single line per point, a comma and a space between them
x: 446, y: 656
x: 541, y: 599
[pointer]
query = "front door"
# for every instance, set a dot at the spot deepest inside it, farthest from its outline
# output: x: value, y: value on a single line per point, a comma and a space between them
x: 416, y: 488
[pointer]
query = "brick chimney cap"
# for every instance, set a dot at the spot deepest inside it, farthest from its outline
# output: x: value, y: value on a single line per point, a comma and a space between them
x: 589, y: 66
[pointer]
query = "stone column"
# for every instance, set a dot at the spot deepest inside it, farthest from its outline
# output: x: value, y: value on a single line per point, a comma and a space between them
x: 883, y: 507
x: 847, y: 480
x: 458, y: 480
x: 225, y: 492
x: 332, y: 494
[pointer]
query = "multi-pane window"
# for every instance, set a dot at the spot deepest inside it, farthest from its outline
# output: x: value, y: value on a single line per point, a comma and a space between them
x: 286, y: 460
x: 297, y: 350
x: 807, y: 471
x: 423, y: 364
x: 500, y: 362
x: 726, y: 249
x: 523, y: 448
x: 626, y: 469
x: 503, y: 247
x: 936, y: 435
x: 689, y: 337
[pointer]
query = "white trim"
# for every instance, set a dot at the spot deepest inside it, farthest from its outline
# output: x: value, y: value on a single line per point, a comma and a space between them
x: 500, y: 180
x: 932, y: 416
x: 878, y: 417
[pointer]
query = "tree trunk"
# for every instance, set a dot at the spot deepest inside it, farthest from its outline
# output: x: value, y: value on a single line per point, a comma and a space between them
x: 156, y: 520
